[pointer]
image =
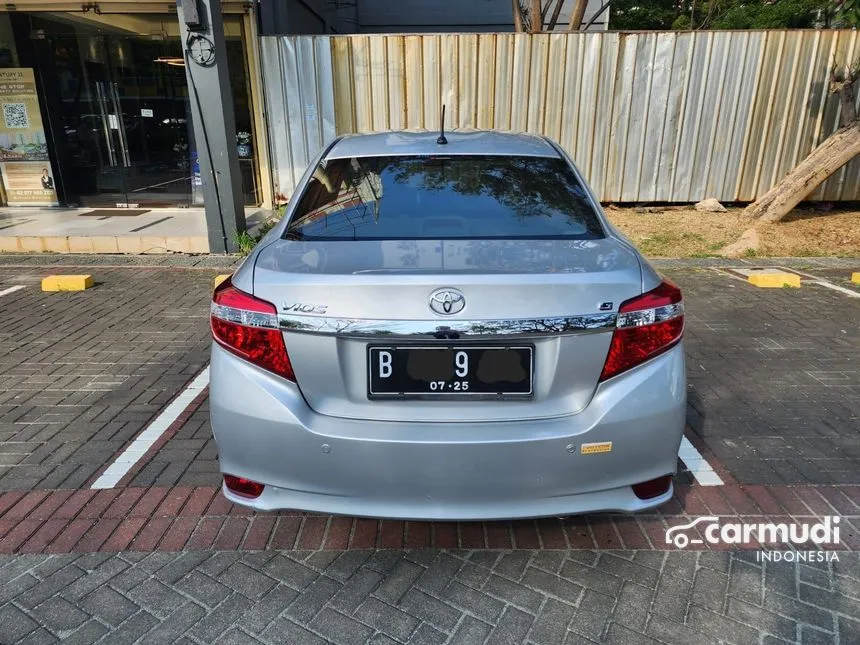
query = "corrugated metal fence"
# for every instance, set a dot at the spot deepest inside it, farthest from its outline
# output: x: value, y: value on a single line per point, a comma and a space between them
x: 672, y: 117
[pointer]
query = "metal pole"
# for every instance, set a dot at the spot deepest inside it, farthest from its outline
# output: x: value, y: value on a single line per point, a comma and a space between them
x: 205, y: 54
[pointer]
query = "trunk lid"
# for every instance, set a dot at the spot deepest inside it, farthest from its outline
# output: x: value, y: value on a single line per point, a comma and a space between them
x: 392, y: 280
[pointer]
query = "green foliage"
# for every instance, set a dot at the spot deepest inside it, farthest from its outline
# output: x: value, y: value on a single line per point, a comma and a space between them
x: 847, y: 13
x: 246, y: 242
x: 638, y: 15
x: 776, y: 15
x: 730, y: 14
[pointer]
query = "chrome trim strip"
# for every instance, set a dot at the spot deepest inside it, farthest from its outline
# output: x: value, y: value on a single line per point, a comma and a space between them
x: 447, y: 329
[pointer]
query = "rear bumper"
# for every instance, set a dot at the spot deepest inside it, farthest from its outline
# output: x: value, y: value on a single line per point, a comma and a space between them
x: 451, y: 471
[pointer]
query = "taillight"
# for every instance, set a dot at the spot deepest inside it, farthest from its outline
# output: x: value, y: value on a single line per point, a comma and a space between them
x: 647, y: 325
x: 653, y: 487
x: 248, y: 327
x: 243, y: 487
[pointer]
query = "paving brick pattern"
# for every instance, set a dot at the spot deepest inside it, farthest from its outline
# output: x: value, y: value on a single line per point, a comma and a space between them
x: 184, y: 518
x: 773, y: 373
x: 165, y: 558
x: 82, y: 373
x: 188, y: 458
x: 774, y: 384
x: 427, y: 597
x: 774, y: 379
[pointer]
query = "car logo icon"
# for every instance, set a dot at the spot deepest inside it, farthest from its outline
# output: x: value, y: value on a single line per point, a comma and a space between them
x: 676, y: 535
x: 447, y: 301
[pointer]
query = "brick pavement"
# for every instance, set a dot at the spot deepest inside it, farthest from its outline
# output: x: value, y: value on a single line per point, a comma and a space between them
x: 774, y: 406
x: 182, y: 518
x: 83, y: 373
x: 774, y: 379
x: 426, y: 596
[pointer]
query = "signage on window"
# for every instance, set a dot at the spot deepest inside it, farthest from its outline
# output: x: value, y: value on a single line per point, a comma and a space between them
x: 24, y: 163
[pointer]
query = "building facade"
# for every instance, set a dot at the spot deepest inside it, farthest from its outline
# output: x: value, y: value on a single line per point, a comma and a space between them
x: 96, y: 107
x: 96, y: 103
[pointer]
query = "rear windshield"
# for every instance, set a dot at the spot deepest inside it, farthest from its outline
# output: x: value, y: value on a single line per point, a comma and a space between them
x: 444, y: 197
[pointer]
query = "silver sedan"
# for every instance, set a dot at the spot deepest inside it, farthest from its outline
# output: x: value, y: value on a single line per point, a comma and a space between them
x: 447, y: 331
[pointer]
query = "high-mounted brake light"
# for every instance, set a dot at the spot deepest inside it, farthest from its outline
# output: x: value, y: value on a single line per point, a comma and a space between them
x: 248, y: 327
x: 647, y: 325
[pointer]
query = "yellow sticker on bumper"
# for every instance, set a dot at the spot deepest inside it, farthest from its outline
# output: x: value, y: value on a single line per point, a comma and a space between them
x: 594, y: 448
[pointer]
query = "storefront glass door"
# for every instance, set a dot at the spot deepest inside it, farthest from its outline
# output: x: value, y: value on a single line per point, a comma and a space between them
x: 125, y: 120
x: 150, y: 101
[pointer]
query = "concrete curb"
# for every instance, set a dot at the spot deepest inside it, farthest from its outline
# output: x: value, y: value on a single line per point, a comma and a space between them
x: 207, y: 261
x: 103, y: 244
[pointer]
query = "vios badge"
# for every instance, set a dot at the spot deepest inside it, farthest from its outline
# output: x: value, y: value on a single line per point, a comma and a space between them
x: 447, y: 301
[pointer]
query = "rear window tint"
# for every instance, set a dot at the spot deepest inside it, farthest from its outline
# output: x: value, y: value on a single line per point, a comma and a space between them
x: 444, y: 197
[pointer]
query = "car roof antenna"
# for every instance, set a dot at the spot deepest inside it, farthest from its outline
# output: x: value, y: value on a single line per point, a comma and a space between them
x: 442, y: 140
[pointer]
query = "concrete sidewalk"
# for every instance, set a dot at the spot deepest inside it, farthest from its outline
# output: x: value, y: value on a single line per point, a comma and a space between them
x: 116, y: 230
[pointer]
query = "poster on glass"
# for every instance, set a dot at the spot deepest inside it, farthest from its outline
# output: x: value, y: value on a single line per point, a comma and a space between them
x: 24, y: 164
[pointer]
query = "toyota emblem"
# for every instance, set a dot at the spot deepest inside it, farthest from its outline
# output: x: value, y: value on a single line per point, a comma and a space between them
x: 447, y: 301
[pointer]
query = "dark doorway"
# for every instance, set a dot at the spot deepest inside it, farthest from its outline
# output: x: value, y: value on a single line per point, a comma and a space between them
x: 125, y: 121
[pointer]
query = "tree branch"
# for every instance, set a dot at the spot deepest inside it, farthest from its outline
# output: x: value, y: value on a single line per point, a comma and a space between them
x: 596, y: 15
x: 833, y: 153
x: 577, y: 15
x: 553, y: 21
x: 842, y: 82
x: 846, y: 99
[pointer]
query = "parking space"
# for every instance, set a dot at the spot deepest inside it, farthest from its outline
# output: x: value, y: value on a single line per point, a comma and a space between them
x: 105, y: 546
x: 774, y: 386
x: 81, y: 374
x: 774, y: 379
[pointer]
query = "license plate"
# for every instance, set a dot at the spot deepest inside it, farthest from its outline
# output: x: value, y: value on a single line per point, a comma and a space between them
x: 450, y: 371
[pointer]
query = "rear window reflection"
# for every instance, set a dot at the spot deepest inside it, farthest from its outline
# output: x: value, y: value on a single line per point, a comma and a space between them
x: 444, y: 197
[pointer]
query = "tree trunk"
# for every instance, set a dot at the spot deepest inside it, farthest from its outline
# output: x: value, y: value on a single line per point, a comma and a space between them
x: 577, y: 15
x: 837, y: 150
x: 535, y: 17
x: 518, y: 16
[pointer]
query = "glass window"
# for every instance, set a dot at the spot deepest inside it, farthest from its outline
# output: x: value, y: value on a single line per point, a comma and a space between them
x: 444, y: 197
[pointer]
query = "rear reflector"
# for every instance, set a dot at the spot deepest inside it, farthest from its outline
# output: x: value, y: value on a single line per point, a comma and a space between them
x: 652, y: 488
x: 248, y: 327
x: 647, y: 325
x: 243, y: 487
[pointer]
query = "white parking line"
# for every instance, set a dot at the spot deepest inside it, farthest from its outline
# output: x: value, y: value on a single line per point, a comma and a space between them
x: 13, y: 289
x: 814, y: 279
x: 144, y: 441
x: 836, y: 287
x: 698, y: 465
